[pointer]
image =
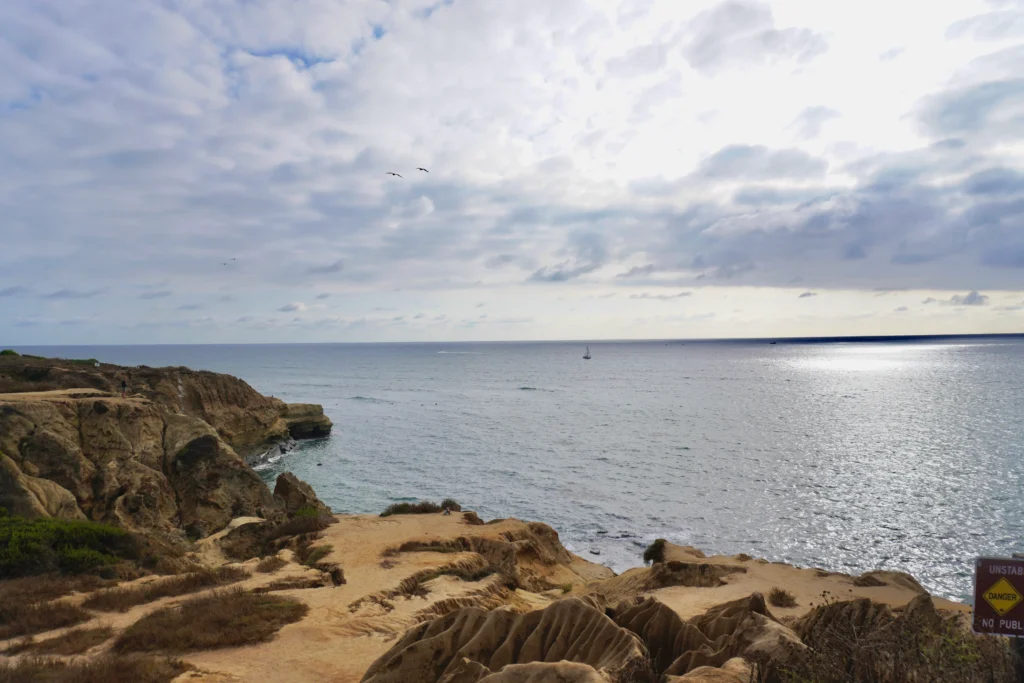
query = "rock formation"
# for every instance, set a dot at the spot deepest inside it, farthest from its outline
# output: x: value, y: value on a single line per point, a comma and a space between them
x: 162, y: 461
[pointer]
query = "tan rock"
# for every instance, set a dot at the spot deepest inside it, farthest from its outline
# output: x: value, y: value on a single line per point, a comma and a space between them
x: 567, y: 630
x: 296, y: 494
x: 305, y: 420
x: 26, y: 496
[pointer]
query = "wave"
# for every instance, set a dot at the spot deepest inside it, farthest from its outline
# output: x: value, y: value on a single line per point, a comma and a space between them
x: 461, y: 353
x: 527, y: 388
x: 370, y: 399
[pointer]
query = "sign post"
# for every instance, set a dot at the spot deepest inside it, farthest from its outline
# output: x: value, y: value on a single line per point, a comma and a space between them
x: 999, y: 596
x: 999, y: 601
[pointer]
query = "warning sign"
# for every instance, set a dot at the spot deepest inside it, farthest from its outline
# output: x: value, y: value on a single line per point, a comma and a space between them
x: 998, y: 596
x: 1002, y: 596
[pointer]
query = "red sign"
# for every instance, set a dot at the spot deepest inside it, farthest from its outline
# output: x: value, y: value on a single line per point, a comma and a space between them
x: 999, y: 596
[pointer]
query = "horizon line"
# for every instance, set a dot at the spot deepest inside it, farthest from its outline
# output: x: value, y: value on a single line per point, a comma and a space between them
x: 695, y: 340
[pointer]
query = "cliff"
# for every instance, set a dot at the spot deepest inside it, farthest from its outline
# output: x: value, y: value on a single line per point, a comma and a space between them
x: 163, y: 460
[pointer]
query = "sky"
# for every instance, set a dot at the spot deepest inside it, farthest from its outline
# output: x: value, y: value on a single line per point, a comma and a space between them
x: 215, y: 171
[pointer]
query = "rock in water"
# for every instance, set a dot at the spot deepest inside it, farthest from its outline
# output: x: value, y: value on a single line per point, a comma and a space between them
x: 296, y: 494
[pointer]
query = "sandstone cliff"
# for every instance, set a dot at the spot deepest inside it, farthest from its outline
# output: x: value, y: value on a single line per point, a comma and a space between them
x: 163, y: 460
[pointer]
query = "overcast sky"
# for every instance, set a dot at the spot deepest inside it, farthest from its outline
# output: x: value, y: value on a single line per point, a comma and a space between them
x: 215, y: 170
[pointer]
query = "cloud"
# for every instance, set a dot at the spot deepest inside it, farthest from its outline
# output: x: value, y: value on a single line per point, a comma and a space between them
x: 902, y: 309
x: 660, y: 297
x: 737, y: 32
x: 190, y: 307
x: 810, y: 121
x: 295, y: 306
x: 72, y: 294
x: 971, y: 299
x: 807, y: 295
x: 562, y: 272
x: 638, y: 270
x: 757, y: 162
x: 891, y: 54
x: 159, y: 294
x: 13, y: 291
x: 324, y: 295
x: 329, y: 269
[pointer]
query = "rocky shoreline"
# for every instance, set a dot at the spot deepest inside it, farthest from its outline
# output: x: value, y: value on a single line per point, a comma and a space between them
x: 413, y: 595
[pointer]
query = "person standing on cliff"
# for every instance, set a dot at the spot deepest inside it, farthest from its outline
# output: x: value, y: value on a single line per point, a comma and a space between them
x: 124, y: 387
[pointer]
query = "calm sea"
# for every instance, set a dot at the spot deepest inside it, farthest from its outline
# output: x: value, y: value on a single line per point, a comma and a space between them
x: 845, y: 456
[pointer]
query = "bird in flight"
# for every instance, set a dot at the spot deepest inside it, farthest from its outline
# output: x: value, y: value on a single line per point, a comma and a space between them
x: 394, y: 174
x: 422, y: 169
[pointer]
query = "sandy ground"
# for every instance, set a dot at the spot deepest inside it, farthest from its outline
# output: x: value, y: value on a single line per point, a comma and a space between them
x: 345, y: 631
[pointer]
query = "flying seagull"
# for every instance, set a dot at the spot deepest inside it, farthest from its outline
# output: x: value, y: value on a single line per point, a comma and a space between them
x: 422, y: 169
x: 394, y: 174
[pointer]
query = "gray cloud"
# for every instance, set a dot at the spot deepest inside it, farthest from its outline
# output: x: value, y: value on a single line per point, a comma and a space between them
x: 737, y: 32
x: 13, y: 291
x: 661, y: 297
x: 638, y: 61
x: 324, y: 295
x: 329, y: 269
x: 638, y: 270
x: 562, y: 272
x: 984, y: 108
x: 902, y: 309
x: 295, y: 306
x: 891, y: 54
x: 971, y: 299
x: 755, y: 162
x: 810, y: 121
x: 995, y: 181
x: 190, y: 307
x: 159, y: 294
x: 72, y: 294
x: 807, y: 295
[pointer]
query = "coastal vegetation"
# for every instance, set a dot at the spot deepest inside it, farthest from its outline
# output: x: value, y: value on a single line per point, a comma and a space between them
x: 423, y: 507
x: 30, y: 547
x: 655, y: 552
x: 123, y: 599
x: 106, y: 669
x: 229, y: 618
x: 780, y: 597
x: 73, y: 642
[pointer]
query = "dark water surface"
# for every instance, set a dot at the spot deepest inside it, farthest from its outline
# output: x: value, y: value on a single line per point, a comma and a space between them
x: 846, y: 456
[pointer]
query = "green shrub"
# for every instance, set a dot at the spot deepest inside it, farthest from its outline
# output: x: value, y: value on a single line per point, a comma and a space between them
x: 451, y: 504
x: 655, y: 552
x: 37, y: 546
x: 8, y: 352
x: 308, y: 511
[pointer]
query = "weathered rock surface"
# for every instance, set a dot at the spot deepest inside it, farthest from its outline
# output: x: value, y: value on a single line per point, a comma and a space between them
x: 245, y: 419
x: 568, y: 630
x: 163, y: 462
x: 305, y: 420
x: 295, y: 494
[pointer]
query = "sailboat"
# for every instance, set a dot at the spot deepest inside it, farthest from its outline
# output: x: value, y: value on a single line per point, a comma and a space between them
x: 587, y: 355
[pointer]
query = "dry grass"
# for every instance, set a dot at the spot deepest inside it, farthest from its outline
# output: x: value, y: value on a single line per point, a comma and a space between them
x: 34, y: 589
x: 74, y: 642
x: 108, y: 669
x: 781, y: 597
x: 413, y: 586
x: 224, y: 619
x: 311, y: 557
x: 20, y: 619
x: 269, y: 565
x: 123, y: 599
x: 388, y: 564
x: 843, y: 648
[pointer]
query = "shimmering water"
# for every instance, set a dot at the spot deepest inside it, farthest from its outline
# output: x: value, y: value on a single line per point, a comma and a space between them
x: 849, y: 457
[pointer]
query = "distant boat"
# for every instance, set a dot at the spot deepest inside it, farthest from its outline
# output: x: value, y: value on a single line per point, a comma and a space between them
x: 771, y: 342
x: 586, y: 356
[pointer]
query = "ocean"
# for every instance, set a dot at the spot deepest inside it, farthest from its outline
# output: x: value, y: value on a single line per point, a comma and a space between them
x: 902, y: 455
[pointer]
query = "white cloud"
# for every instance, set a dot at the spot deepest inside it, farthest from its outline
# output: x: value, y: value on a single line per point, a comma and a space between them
x: 571, y: 145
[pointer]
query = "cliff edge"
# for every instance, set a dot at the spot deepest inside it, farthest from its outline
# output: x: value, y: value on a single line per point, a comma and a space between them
x: 166, y: 459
